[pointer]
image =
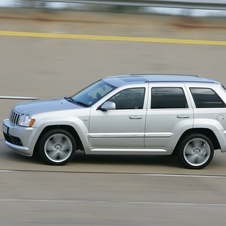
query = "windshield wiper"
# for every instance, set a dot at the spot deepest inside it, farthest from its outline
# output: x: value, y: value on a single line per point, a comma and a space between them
x: 76, y: 102
x: 81, y: 103
x: 69, y: 99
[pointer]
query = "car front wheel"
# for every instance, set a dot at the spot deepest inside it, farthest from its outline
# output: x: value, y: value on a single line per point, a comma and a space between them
x: 57, y: 147
x: 195, y: 151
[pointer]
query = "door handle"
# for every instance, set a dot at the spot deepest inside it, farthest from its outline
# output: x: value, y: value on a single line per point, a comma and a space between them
x: 183, y: 116
x: 135, y: 117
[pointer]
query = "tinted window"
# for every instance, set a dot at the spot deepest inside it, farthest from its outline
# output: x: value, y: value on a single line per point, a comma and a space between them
x: 168, y: 97
x: 129, y: 98
x: 206, y: 98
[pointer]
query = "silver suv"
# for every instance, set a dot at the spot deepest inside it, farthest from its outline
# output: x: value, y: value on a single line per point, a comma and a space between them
x: 125, y: 115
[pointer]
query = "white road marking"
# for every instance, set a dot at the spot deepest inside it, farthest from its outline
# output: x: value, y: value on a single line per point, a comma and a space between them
x: 115, y: 202
x: 119, y: 173
x: 187, y: 176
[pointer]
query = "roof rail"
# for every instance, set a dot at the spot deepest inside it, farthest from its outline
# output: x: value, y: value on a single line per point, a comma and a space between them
x: 166, y: 75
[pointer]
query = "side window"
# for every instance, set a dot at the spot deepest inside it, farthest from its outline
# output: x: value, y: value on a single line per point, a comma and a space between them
x: 206, y: 98
x: 129, y: 98
x: 168, y: 97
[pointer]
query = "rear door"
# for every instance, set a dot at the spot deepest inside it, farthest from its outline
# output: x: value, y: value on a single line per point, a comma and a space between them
x: 169, y: 114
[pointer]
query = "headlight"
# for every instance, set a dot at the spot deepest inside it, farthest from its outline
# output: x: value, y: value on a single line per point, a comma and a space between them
x: 26, y: 121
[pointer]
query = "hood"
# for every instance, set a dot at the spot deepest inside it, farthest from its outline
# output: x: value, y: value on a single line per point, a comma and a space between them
x: 39, y: 106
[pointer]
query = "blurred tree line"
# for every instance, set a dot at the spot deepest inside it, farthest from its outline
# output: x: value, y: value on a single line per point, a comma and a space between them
x: 33, y: 3
x: 42, y: 4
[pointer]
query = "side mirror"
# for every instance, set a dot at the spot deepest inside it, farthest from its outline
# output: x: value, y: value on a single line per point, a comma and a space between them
x: 108, y: 105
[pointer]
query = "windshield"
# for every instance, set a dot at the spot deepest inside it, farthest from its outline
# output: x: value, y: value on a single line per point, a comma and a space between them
x: 92, y: 93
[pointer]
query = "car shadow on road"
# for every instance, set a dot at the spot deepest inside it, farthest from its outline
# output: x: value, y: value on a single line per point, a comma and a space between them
x: 81, y: 158
x: 169, y: 161
x: 166, y: 161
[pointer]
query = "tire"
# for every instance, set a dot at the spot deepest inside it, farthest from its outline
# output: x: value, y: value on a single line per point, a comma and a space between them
x: 195, y: 151
x: 57, y: 147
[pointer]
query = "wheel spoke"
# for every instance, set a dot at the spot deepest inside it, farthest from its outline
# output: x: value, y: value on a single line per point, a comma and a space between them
x: 196, y: 143
x: 52, y: 154
x: 66, y: 146
x: 200, y: 159
x: 58, y: 139
x: 49, y: 145
x: 205, y: 151
x: 191, y: 159
x: 189, y: 149
x: 63, y: 154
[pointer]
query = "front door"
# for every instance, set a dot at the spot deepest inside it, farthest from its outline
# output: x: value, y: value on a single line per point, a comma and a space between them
x: 122, y: 129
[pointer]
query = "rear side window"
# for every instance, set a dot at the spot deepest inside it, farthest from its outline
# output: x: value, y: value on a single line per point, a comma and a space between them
x: 206, y: 98
x: 168, y: 97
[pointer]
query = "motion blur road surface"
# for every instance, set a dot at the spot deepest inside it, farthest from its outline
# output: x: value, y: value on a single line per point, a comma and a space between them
x: 104, y: 190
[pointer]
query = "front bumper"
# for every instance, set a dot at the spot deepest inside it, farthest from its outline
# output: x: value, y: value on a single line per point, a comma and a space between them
x: 18, y: 138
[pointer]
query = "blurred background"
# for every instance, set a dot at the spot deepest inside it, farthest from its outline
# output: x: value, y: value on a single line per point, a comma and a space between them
x: 53, y: 48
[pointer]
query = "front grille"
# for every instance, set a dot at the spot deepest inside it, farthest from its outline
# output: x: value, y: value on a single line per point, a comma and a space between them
x: 14, y: 117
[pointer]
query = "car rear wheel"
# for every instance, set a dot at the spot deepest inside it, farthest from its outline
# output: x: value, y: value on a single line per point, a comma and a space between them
x: 57, y: 147
x: 195, y: 151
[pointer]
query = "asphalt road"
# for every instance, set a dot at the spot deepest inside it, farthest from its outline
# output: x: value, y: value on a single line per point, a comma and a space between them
x: 100, y: 190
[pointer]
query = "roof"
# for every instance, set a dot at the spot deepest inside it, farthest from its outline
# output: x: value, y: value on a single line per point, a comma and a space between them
x: 144, y: 78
